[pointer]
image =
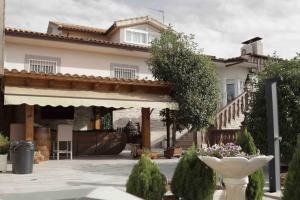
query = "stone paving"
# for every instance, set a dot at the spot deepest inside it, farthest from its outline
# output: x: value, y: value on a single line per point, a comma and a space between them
x: 66, y: 179
x: 51, y: 179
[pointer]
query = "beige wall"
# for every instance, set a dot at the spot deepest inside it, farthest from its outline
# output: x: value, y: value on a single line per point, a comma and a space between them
x: 235, y: 73
x: 2, y: 15
x: 73, y: 61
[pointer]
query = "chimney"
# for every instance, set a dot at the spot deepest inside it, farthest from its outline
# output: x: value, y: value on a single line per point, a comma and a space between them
x: 252, y: 46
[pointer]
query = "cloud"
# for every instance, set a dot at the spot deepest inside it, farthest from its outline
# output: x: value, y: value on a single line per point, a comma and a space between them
x: 219, y: 26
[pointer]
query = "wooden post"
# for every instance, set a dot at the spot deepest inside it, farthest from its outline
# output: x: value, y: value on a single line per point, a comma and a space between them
x: 29, y: 121
x: 195, y: 138
x: 168, y: 127
x: 174, y: 133
x: 146, y: 128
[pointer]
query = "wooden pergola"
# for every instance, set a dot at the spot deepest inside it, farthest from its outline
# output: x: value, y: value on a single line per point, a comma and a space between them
x: 96, y: 85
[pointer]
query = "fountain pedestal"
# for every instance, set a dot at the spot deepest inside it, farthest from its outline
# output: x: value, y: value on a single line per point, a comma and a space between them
x: 235, y: 171
x: 236, y: 188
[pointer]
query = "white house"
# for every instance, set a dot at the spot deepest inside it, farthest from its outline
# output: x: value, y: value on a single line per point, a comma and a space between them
x: 67, y: 66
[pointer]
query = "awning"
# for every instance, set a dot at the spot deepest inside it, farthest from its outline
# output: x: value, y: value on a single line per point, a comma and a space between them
x: 60, y: 97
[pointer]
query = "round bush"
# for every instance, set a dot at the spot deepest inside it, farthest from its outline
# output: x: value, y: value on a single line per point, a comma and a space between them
x: 192, y: 179
x: 146, y: 180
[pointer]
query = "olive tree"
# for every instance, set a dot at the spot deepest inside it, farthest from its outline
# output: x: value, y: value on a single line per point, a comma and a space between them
x: 192, y: 75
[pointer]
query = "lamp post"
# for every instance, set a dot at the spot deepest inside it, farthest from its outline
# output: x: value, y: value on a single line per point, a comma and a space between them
x: 273, y: 132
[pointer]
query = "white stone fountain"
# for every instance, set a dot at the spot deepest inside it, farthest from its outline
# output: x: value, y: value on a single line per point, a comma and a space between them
x: 235, y: 171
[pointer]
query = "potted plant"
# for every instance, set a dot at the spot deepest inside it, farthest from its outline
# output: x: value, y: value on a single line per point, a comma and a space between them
x: 4, y: 146
x: 173, y: 152
x: 234, y: 165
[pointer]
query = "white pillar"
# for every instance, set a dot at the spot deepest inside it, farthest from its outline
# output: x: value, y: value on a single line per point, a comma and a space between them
x: 236, y: 188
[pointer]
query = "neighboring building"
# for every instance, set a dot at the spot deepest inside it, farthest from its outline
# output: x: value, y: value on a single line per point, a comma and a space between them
x: 84, y: 56
x: 2, y: 20
x: 2, y: 16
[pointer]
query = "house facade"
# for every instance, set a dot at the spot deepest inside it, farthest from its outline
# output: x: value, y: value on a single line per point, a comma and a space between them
x: 90, y: 69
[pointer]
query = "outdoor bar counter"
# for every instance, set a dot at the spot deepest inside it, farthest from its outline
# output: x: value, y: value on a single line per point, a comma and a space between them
x: 98, y: 142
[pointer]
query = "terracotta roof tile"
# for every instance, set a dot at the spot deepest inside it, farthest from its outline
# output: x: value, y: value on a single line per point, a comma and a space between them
x: 76, y: 77
x: 47, y: 36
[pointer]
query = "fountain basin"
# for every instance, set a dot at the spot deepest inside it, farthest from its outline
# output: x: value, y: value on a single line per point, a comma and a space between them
x: 235, y: 171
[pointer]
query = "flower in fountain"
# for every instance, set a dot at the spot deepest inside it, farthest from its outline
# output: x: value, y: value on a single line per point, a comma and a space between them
x: 223, y: 150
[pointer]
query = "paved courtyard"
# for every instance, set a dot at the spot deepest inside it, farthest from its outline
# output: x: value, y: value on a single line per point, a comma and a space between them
x: 69, y: 179
x: 66, y: 179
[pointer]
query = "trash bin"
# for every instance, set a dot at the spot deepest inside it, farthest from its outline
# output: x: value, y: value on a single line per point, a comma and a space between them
x: 21, y: 154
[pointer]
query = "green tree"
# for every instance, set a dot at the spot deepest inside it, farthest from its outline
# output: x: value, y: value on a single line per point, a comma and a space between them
x: 192, y: 179
x: 292, y: 183
x: 175, y: 59
x: 146, y: 180
x: 288, y: 105
x: 255, y: 188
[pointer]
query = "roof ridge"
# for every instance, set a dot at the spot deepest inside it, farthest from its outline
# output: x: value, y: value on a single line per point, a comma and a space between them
x: 66, y: 25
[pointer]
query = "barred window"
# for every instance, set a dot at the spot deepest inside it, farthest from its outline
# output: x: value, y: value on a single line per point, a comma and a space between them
x: 125, y: 73
x: 42, y: 66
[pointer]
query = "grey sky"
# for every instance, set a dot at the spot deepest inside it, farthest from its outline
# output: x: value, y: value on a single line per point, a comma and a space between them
x: 219, y: 26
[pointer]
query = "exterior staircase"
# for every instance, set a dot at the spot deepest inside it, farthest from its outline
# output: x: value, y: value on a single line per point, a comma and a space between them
x: 227, y: 122
x: 185, y: 141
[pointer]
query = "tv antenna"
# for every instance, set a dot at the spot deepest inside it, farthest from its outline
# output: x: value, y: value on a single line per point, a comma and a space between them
x: 161, y: 11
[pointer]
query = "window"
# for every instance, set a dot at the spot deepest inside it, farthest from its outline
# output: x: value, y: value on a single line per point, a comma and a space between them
x: 152, y: 36
x: 230, y: 90
x: 126, y: 73
x: 136, y: 36
x: 42, y: 66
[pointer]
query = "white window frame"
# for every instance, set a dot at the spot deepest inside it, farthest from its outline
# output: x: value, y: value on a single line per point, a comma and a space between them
x: 42, y: 60
x: 125, y: 68
x: 242, y: 86
x: 137, y: 31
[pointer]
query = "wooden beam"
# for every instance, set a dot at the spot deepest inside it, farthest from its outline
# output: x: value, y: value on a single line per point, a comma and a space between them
x: 29, y: 121
x: 146, y: 138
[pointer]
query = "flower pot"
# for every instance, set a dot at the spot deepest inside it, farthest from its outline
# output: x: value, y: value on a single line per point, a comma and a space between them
x: 173, y: 152
x: 235, y: 171
x: 3, y: 162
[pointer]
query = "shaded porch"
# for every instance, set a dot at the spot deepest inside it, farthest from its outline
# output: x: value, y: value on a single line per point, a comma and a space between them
x: 33, y: 92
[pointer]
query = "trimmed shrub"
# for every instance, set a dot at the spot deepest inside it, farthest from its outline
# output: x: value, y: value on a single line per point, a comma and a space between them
x: 146, y: 181
x: 292, y: 183
x: 192, y: 179
x: 256, y: 180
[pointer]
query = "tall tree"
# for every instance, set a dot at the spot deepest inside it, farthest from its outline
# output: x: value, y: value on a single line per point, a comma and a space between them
x: 175, y: 59
x: 288, y: 92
